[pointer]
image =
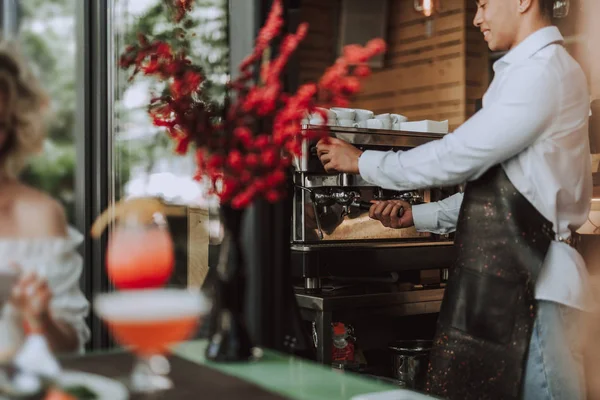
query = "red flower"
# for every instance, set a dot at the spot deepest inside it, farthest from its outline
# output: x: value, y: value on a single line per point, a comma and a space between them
x: 246, y: 150
x: 244, y: 135
x: 362, y: 71
x: 270, y: 158
x: 183, y: 144
x: 235, y: 160
x: 273, y: 196
x: 261, y: 142
x: 275, y: 179
x: 377, y: 46
x: 252, y: 160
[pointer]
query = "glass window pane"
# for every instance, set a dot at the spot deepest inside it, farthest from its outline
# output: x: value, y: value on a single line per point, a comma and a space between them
x: 46, y: 30
x: 144, y: 163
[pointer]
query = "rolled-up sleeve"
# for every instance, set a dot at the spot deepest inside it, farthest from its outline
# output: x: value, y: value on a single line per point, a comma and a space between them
x: 526, y: 106
x: 438, y: 217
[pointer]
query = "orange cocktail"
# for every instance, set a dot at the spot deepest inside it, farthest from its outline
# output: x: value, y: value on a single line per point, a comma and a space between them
x: 149, y: 322
x: 152, y: 337
x: 139, y: 258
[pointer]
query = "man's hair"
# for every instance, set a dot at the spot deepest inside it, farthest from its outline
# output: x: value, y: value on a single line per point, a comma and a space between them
x: 547, y: 8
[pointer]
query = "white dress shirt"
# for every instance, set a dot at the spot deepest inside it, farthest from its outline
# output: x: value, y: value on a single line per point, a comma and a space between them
x: 534, y: 122
x: 56, y: 260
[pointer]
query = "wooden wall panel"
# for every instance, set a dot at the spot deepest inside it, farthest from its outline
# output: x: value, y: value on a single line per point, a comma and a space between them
x: 424, y: 77
x: 425, y: 74
x: 318, y: 50
x: 477, y: 61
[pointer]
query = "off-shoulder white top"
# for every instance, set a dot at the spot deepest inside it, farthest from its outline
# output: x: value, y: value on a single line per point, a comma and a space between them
x: 57, y: 260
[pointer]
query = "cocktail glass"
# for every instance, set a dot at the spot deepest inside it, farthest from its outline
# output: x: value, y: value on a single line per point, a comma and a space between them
x: 149, y: 322
x: 140, y: 251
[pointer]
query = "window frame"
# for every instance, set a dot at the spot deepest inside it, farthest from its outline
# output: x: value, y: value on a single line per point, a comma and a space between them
x: 94, y: 121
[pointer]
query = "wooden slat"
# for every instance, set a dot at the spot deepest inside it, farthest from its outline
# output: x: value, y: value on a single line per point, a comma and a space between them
x: 406, y: 100
x: 418, y: 31
x: 432, y: 41
x: 449, y: 71
x: 430, y: 54
x: 424, y: 76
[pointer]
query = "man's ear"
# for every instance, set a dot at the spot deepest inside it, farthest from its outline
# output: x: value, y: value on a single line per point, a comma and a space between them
x: 524, y: 5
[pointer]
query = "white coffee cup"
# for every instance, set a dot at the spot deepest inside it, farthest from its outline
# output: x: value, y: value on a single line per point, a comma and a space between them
x: 363, y: 115
x: 398, y: 118
x: 317, y: 119
x: 348, y: 123
x: 386, y: 120
x: 372, y: 123
x: 344, y: 113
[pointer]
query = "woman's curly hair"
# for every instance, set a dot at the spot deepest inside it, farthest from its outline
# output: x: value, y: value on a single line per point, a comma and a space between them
x: 22, y: 105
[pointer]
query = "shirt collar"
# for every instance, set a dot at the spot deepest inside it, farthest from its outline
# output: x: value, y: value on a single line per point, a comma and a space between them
x: 531, y: 45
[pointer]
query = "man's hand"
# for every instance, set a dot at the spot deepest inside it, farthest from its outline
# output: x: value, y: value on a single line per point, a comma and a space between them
x: 338, y: 156
x: 387, y: 212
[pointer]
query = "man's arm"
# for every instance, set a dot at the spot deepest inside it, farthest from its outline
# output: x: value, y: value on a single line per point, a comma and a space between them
x: 438, y: 217
x: 526, y: 107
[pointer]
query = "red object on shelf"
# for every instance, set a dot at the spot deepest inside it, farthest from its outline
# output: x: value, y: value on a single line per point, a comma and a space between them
x: 343, y: 345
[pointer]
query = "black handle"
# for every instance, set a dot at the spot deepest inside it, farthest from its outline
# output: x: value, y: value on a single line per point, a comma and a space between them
x: 365, y: 205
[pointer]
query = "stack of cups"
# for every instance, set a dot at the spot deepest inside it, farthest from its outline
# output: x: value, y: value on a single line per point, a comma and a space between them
x: 356, y: 118
x: 317, y: 119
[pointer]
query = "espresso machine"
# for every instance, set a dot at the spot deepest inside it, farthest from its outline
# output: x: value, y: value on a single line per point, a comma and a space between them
x: 334, y: 243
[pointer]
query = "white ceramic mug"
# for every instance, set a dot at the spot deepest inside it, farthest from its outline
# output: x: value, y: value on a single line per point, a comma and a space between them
x: 372, y: 123
x: 398, y: 118
x: 386, y: 120
x: 363, y: 115
x: 317, y: 119
x: 348, y: 123
x: 344, y: 113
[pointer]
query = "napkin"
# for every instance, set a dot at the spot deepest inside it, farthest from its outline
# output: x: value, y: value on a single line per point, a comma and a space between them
x: 425, y: 126
x: 35, y: 357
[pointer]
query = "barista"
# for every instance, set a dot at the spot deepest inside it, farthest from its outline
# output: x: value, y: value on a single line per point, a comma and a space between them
x: 516, y: 288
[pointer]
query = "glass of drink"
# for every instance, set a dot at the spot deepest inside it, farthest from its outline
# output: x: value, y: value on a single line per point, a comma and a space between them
x: 149, y: 322
x: 140, y: 252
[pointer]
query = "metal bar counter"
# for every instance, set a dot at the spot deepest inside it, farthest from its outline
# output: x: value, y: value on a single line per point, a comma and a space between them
x: 273, y: 376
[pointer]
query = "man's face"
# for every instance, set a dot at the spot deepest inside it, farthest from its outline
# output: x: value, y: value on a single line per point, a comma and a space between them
x: 498, y: 20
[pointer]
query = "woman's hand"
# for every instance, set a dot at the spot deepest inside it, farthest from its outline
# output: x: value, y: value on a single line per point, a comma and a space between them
x: 31, y: 296
x: 387, y: 212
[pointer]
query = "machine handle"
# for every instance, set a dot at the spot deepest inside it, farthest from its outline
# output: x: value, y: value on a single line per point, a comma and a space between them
x: 365, y: 205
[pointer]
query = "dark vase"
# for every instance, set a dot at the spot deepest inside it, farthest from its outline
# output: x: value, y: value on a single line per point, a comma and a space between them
x: 272, y: 313
x: 229, y: 339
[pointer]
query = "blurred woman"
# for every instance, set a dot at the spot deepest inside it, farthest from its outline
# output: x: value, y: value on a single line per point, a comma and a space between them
x: 34, y: 236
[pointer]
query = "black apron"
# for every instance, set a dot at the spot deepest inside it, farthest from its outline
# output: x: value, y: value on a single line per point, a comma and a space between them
x: 485, y: 323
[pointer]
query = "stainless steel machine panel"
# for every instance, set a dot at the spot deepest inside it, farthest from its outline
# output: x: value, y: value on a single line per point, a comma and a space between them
x: 334, y: 207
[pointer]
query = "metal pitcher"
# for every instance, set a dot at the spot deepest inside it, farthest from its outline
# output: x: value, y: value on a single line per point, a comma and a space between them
x: 410, y: 360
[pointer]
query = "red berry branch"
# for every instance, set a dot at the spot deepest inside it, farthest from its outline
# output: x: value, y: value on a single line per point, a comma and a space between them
x: 246, y: 150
